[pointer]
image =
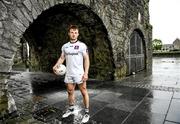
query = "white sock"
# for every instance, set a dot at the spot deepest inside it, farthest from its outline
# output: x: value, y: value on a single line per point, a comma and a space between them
x: 71, y: 107
x: 86, y: 110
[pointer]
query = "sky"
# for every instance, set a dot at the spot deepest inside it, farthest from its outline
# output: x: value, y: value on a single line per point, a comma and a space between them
x: 165, y: 19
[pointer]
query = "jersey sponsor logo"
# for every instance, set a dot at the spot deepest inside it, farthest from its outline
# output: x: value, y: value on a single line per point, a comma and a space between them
x: 76, y: 47
x: 66, y: 46
x: 71, y: 53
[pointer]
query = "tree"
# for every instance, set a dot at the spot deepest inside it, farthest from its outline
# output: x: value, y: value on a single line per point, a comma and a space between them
x: 157, y: 44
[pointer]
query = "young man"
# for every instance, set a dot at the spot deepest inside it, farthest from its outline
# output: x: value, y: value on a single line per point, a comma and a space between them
x: 77, y: 66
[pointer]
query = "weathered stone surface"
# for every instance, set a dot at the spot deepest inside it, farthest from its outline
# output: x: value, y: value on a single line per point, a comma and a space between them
x: 5, y: 64
x: 11, y: 28
x: 47, y: 4
x: 6, y: 53
x: 34, y: 13
x: 9, y: 44
x: 1, y: 31
x: 28, y: 4
x: 36, y: 6
x: 19, y: 24
x: 7, y: 34
x: 52, y: 2
x: 8, y: 1
x: 21, y: 17
x: 26, y: 14
x: 41, y: 4
x: 0, y: 38
x: 1, y: 25
x: 1, y: 28
x: 59, y: 1
x: 3, y: 11
x: 16, y: 39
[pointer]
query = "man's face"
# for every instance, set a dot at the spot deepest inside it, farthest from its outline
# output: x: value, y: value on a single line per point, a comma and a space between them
x: 73, y: 34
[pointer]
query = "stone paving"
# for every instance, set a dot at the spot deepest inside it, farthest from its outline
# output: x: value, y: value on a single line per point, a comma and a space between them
x: 138, y: 99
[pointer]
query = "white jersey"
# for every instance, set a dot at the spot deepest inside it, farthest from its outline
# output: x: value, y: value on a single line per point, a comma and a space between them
x: 74, y: 57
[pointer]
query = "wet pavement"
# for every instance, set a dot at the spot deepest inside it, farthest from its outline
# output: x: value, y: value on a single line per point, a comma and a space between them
x: 143, y: 98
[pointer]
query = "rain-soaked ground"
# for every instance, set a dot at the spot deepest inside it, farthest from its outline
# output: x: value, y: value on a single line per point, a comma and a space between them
x: 38, y: 98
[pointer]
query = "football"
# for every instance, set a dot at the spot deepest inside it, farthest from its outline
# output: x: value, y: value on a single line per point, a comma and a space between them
x: 61, y: 70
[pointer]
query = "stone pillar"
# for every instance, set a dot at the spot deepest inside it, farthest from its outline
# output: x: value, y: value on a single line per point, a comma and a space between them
x: 3, y: 100
x: 6, y: 54
x: 3, y: 97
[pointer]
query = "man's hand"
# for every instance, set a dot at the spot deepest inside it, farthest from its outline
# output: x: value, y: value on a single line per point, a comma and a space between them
x: 54, y: 69
x: 85, y: 77
x: 60, y: 61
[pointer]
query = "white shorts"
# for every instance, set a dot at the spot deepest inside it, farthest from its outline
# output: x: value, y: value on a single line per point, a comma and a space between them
x: 73, y: 79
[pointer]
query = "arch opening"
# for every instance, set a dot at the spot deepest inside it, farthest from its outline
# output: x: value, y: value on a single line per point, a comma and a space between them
x: 46, y: 35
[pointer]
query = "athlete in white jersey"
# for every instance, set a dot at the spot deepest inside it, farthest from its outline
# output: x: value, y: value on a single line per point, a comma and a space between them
x: 74, y: 53
x: 77, y: 65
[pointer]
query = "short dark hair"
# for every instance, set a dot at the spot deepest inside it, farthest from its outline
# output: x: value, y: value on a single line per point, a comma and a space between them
x: 73, y: 27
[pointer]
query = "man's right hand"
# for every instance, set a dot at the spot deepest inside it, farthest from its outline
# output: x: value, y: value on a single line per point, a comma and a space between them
x: 54, y: 69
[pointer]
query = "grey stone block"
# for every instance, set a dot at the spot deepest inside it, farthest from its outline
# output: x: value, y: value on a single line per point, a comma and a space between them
x: 1, y: 31
x: 36, y: 6
x: 1, y: 25
x: 9, y: 2
x: 19, y: 25
x: 5, y: 64
x: 52, y: 2
x: 28, y: 4
x: 3, y: 11
x: 34, y: 13
x: 21, y: 17
x: 8, y: 44
x: 26, y: 14
x: 41, y: 4
x: 47, y: 4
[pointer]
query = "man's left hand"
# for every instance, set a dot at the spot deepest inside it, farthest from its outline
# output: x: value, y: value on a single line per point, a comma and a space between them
x: 85, y: 77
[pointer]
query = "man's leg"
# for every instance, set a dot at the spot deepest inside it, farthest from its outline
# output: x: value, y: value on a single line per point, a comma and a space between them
x: 85, y: 94
x: 71, y: 99
x: 70, y: 90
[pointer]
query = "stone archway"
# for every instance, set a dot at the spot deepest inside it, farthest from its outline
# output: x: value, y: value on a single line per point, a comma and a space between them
x: 16, y: 17
x: 48, y: 33
x: 107, y: 22
x: 136, y: 53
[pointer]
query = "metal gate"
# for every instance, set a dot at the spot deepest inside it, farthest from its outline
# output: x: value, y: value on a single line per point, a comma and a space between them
x: 136, y: 56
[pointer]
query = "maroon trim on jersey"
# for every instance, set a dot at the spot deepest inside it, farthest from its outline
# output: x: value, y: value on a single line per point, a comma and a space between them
x: 73, y: 42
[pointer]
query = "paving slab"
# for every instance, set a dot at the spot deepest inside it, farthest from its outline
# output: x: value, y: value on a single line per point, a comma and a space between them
x: 174, y: 111
x: 145, y: 118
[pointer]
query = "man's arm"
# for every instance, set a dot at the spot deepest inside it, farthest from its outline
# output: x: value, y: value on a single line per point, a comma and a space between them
x: 60, y: 61
x: 86, y: 66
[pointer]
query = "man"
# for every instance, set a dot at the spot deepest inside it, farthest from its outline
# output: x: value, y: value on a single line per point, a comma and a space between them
x: 77, y: 66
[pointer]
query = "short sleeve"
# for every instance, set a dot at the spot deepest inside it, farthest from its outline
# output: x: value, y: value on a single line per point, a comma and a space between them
x: 84, y: 49
x: 62, y: 49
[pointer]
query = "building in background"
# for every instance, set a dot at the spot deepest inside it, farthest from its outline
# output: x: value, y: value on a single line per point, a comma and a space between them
x: 176, y: 44
x: 172, y: 47
x: 167, y: 47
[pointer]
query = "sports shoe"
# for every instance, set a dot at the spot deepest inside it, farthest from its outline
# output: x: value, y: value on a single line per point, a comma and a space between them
x: 68, y: 112
x: 86, y: 118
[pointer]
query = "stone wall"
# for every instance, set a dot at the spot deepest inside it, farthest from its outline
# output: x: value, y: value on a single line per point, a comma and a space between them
x: 120, y: 18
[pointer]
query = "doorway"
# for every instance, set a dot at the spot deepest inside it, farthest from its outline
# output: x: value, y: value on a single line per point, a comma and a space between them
x: 136, y: 53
